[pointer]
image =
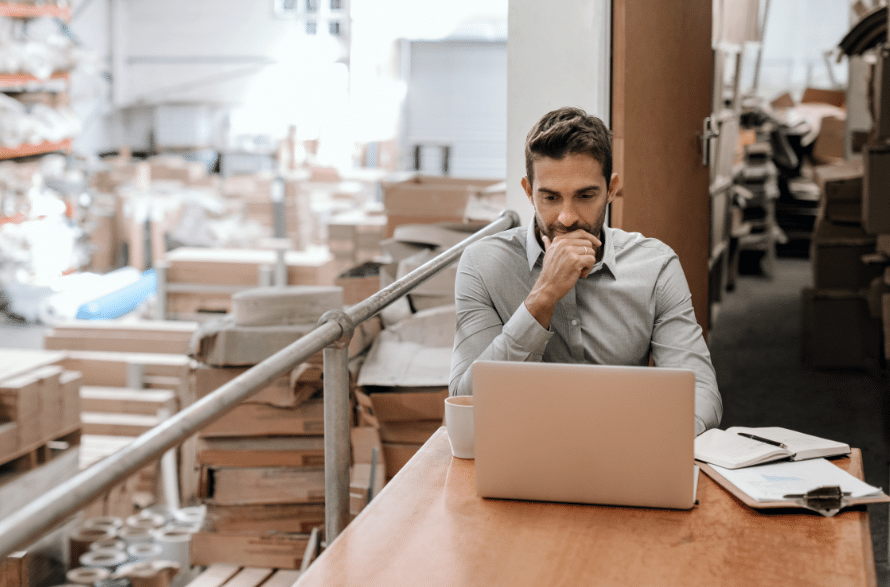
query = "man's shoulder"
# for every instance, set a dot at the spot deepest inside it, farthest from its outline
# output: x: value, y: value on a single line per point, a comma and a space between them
x: 510, y: 241
x: 634, y: 242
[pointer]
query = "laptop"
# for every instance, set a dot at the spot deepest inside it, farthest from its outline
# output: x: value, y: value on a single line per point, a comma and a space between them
x: 590, y: 434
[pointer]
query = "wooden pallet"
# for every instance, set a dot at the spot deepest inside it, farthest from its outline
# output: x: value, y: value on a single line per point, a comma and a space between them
x: 31, y: 457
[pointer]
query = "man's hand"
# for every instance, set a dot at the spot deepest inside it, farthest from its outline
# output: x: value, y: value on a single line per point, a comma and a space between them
x: 567, y: 258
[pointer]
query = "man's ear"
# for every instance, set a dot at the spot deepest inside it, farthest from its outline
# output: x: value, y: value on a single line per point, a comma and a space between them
x: 527, y: 186
x: 613, y: 186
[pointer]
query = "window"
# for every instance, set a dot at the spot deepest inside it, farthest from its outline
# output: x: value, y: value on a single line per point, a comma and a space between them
x: 311, y: 27
x: 334, y: 28
x: 311, y: 5
x: 336, y: 5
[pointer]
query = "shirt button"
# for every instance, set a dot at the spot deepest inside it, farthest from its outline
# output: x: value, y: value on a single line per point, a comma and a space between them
x: 574, y: 322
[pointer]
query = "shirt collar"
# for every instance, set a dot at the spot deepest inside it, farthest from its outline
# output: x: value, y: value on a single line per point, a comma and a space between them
x: 534, y: 251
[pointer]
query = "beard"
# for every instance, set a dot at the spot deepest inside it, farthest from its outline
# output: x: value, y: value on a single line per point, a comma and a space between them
x: 551, y: 231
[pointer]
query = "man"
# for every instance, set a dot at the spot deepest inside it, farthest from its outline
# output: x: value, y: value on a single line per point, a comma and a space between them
x: 566, y: 289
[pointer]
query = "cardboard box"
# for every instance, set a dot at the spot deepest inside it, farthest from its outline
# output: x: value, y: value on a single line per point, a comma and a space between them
x: 241, y: 267
x: 264, y: 518
x: 110, y: 368
x: 428, y: 199
x: 359, y: 283
x: 834, y: 97
x: 836, y: 253
x: 276, y: 306
x: 221, y: 343
x: 122, y: 400
x: 410, y: 406
x: 838, y: 330
x: 830, y: 144
x: 70, y: 383
x: 881, y: 92
x: 265, y: 420
x: 9, y: 439
x: 265, y: 485
x: 876, y: 188
x: 397, y: 456
x: 266, y: 451
x: 277, y: 551
x: 20, y: 403
x: 285, y: 391
x: 413, y: 432
x: 841, y: 186
x: 147, y: 336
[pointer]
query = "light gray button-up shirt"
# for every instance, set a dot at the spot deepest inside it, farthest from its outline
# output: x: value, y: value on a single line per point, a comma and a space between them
x: 635, y: 303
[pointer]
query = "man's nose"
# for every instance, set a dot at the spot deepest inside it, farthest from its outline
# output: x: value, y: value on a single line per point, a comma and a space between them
x: 568, y: 216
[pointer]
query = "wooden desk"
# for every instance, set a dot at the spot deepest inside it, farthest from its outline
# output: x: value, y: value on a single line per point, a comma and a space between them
x: 428, y: 527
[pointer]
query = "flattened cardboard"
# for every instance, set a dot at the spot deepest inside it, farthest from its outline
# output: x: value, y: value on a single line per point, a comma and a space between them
x: 265, y: 420
x: 278, y: 551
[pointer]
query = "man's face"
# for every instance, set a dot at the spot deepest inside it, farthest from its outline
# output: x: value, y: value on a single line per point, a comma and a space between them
x: 569, y: 194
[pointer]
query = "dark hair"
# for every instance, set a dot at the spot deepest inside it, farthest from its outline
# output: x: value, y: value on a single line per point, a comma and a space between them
x: 569, y: 131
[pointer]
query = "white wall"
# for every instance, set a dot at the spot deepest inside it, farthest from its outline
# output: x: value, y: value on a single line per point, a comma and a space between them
x: 559, y: 54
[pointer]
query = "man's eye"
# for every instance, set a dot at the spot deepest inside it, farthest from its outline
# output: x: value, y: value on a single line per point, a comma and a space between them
x: 587, y: 196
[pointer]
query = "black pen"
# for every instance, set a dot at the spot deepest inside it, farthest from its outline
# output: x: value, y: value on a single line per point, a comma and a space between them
x: 764, y: 440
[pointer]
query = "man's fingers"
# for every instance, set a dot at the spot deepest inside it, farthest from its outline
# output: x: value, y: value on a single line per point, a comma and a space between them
x: 547, y: 241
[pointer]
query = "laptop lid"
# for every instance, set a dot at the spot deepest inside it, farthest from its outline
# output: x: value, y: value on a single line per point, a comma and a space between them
x: 584, y: 433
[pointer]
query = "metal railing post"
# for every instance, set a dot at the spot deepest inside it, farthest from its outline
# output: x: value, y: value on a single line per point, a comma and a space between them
x: 337, y: 441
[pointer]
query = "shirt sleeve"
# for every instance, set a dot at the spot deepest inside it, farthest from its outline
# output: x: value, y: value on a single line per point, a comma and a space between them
x: 482, y: 332
x: 677, y: 342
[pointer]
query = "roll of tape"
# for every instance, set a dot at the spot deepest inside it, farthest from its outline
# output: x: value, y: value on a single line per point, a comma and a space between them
x: 79, y: 542
x: 104, y: 559
x: 135, y: 535
x: 146, y: 551
x: 175, y: 546
x: 191, y: 515
x: 82, y: 576
x: 146, y: 521
x: 109, y: 544
x: 110, y: 522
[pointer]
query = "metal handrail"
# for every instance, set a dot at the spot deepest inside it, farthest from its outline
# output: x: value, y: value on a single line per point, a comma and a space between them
x: 53, y: 507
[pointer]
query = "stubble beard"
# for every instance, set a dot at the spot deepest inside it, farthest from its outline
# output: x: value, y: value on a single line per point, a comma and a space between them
x: 557, y: 229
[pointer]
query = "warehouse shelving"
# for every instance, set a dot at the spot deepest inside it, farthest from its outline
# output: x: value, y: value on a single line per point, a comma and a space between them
x: 22, y: 82
x: 16, y: 10
x: 39, y: 149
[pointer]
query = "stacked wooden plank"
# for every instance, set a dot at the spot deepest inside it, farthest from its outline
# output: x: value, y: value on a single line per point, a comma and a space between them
x: 130, y: 370
x: 228, y: 575
x: 39, y: 403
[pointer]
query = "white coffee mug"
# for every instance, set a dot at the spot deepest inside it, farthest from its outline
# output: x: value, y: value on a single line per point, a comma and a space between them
x: 459, y: 423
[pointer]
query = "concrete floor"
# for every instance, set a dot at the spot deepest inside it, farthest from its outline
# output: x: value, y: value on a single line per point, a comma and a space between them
x: 755, y: 347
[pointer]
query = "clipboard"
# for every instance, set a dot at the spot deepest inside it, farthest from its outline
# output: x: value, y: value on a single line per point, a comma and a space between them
x: 823, y: 501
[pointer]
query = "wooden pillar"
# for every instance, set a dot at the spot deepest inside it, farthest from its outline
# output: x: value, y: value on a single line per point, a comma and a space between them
x: 661, y: 93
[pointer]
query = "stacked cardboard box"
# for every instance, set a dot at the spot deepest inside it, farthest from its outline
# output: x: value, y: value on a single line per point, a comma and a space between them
x: 404, y: 382
x: 276, y: 203
x: 411, y: 246
x: 838, y: 328
x: 425, y: 199
x: 203, y: 280
x: 354, y: 237
x: 262, y: 464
